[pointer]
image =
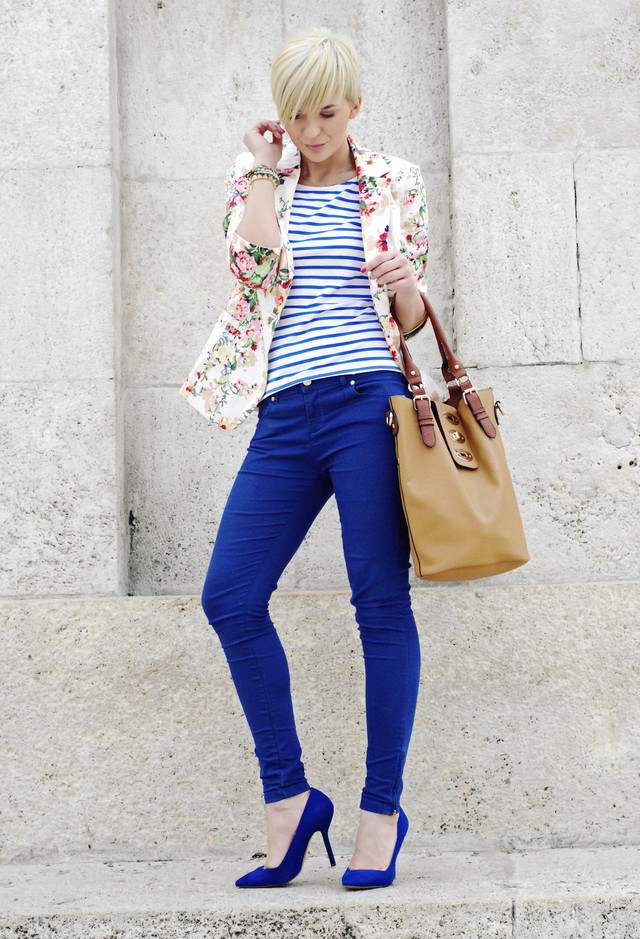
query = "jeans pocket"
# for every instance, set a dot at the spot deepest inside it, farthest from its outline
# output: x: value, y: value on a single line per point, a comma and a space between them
x: 268, y: 405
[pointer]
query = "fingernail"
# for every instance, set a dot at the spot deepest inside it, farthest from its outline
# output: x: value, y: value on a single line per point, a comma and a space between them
x: 363, y: 270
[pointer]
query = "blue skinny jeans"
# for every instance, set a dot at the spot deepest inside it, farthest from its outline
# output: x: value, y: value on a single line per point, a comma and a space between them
x: 312, y: 441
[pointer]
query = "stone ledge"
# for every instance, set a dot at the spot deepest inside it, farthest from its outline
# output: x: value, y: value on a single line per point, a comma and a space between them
x: 578, y: 892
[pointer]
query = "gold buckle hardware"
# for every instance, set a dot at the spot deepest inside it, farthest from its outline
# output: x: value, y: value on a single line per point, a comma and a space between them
x: 417, y: 398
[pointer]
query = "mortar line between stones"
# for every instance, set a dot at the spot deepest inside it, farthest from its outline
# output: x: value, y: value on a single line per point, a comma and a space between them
x: 448, y: 97
x: 579, y: 274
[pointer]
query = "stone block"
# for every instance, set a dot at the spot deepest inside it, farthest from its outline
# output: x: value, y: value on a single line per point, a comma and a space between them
x: 123, y: 731
x: 492, y: 921
x: 174, y: 506
x: 58, y: 297
x: 188, y: 87
x: 55, y: 104
x: 572, y: 439
x: 523, y: 734
x: 579, y: 918
x: 543, y: 76
x: 175, y: 275
x: 608, y: 207
x: 179, y: 470
x: 515, y: 260
x: 60, y: 488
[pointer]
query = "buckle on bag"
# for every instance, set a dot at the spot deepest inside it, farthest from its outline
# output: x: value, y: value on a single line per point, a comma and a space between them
x: 465, y: 391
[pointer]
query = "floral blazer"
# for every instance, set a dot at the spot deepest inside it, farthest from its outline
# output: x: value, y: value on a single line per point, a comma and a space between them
x: 229, y: 378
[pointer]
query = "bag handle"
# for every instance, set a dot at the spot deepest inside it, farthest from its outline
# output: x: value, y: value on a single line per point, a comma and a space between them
x: 453, y: 373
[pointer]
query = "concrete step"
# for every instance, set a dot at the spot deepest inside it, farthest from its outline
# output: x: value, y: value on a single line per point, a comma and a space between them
x: 556, y: 894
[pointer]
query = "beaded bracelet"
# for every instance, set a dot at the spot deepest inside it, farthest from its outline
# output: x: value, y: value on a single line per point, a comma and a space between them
x: 263, y: 172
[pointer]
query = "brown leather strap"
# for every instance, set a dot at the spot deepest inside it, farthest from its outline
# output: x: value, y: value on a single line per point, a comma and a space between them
x: 421, y: 401
x: 477, y: 409
x: 457, y: 381
x: 426, y: 422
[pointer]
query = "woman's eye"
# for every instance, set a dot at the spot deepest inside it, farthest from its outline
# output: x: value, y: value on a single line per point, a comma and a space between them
x: 328, y: 115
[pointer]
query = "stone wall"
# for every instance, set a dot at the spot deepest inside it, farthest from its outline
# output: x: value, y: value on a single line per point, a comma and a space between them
x: 119, y: 122
x: 61, y: 439
x: 546, y: 254
x: 115, y: 484
x: 518, y: 111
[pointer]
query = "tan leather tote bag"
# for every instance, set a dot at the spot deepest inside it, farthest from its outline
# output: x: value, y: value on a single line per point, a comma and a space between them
x: 457, y: 493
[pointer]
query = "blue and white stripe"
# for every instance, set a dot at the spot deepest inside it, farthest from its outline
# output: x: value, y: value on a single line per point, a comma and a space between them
x: 329, y: 325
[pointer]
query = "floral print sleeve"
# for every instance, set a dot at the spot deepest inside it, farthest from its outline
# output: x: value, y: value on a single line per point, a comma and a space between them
x: 414, y: 226
x: 252, y: 265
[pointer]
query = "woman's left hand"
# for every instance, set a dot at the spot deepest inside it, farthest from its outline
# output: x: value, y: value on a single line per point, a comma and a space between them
x: 392, y: 269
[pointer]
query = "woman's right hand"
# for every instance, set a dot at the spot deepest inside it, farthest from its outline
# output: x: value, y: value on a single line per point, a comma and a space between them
x: 266, y: 153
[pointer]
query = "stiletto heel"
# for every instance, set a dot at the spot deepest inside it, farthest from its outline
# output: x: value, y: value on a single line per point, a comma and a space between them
x: 365, y: 880
x: 317, y: 816
x: 325, y: 835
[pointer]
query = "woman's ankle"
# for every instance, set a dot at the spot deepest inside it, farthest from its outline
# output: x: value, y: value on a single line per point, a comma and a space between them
x: 375, y: 841
x: 283, y: 817
x: 286, y: 805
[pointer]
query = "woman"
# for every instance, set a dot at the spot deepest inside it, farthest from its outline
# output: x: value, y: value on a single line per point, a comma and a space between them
x: 327, y: 242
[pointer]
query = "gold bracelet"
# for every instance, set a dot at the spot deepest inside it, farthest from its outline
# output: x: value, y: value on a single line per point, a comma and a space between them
x: 263, y: 172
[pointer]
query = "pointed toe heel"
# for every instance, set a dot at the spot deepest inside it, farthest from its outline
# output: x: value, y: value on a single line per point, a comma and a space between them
x: 317, y: 816
x: 367, y: 880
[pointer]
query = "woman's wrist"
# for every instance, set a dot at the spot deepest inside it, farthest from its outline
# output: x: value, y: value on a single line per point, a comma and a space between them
x: 269, y: 163
x: 408, y: 310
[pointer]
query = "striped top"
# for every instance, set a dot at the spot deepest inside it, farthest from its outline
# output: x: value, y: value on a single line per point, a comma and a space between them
x: 329, y: 325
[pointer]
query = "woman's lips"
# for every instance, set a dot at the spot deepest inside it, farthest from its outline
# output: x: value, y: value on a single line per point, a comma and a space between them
x: 315, y: 146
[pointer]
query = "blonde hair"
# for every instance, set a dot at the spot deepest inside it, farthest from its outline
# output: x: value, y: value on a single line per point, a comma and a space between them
x: 310, y: 68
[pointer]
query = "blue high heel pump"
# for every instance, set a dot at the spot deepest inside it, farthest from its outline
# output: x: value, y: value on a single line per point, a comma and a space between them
x: 365, y: 880
x: 317, y: 816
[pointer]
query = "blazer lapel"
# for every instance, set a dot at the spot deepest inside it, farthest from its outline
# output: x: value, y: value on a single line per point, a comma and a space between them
x: 374, y: 181
x: 380, y: 226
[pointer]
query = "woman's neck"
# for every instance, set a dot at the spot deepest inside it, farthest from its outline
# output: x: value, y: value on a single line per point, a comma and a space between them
x: 337, y: 169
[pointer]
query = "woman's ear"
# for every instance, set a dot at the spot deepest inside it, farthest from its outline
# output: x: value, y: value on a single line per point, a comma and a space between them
x: 355, y: 108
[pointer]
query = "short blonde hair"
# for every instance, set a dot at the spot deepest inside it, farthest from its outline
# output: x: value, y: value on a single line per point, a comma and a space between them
x: 310, y: 68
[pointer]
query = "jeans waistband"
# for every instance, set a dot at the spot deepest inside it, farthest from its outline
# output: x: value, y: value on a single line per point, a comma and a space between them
x: 337, y: 381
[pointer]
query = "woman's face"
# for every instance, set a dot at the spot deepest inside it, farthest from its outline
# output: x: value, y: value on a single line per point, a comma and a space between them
x: 321, y: 136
